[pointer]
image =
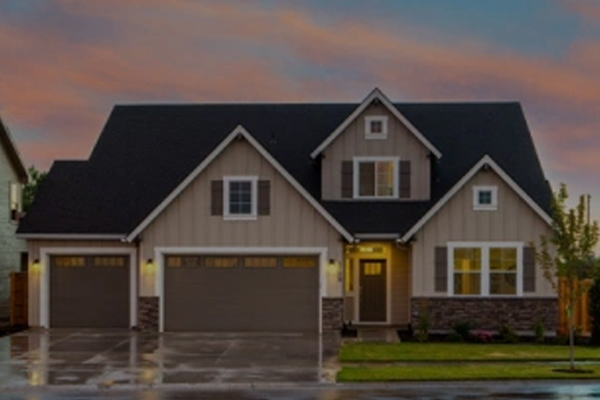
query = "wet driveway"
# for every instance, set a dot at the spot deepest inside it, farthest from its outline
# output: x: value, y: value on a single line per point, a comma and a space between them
x: 105, y: 359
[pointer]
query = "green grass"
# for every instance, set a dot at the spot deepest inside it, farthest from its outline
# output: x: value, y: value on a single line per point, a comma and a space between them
x: 411, y: 352
x: 437, y: 372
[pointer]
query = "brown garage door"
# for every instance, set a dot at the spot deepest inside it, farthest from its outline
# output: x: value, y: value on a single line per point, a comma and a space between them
x: 241, y: 293
x: 89, y: 291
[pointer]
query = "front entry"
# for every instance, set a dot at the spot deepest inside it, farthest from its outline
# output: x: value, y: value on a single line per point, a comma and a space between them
x: 373, y: 296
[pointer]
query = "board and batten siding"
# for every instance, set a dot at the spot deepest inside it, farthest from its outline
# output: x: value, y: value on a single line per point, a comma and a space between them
x: 351, y: 143
x: 292, y: 221
x: 513, y: 221
x: 34, y: 251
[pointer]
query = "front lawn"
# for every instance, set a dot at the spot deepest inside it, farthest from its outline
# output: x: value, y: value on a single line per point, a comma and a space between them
x: 410, y: 352
x: 457, y: 372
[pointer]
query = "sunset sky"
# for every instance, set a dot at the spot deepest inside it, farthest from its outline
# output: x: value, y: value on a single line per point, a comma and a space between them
x: 65, y: 64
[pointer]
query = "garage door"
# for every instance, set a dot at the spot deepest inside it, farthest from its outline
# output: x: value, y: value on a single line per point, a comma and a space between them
x: 241, y: 293
x: 89, y: 291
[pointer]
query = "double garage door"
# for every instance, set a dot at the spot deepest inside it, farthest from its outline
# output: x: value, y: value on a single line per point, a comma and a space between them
x: 201, y: 292
x: 241, y: 293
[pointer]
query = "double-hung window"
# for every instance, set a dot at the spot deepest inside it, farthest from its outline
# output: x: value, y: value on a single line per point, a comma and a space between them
x: 485, y: 269
x: 375, y: 177
x: 240, y: 197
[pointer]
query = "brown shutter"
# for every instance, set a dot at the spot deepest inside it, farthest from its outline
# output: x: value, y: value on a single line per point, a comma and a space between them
x: 264, y: 197
x: 347, y: 179
x: 441, y: 269
x: 528, y: 270
x: 404, y: 179
x: 216, y: 199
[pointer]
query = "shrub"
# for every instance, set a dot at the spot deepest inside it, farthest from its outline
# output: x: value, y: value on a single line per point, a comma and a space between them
x: 463, y: 329
x: 423, y: 326
x: 506, y: 334
x: 539, y: 331
x: 482, y: 336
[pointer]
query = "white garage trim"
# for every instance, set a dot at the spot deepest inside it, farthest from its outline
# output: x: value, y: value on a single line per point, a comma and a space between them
x: 160, y: 252
x: 44, y: 290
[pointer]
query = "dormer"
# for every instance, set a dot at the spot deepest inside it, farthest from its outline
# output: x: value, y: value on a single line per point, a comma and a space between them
x: 376, y: 154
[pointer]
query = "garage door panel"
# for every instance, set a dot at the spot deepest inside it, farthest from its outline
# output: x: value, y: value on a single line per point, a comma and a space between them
x: 83, y: 294
x: 241, y: 298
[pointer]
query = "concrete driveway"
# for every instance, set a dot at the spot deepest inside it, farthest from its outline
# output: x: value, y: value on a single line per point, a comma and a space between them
x: 116, y: 358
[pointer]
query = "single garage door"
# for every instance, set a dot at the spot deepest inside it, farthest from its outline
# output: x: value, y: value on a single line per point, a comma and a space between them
x: 89, y: 291
x: 241, y: 293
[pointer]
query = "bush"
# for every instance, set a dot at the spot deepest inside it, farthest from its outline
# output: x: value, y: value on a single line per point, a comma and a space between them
x: 482, y: 336
x: 423, y: 326
x: 463, y: 329
x: 506, y: 334
x: 539, y: 331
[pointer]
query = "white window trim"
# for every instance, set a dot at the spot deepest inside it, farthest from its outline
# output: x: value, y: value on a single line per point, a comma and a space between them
x: 254, y: 206
x: 485, y: 207
x: 384, y: 127
x: 356, y: 177
x: 485, y: 267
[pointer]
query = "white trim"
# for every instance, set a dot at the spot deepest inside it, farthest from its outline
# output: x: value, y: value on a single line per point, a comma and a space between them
x: 369, y: 134
x: 493, y: 198
x: 356, y: 161
x: 253, y: 198
x: 377, y: 236
x: 376, y: 94
x: 485, y: 160
x: 159, y: 253
x: 70, y: 236
x: 46, y: 252
x: 239, y: 131
x: 485, y: 267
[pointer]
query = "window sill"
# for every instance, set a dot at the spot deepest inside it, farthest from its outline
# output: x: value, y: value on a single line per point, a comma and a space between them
x: 485, y: 208
x: 376, y: 136
x: 240, y: 218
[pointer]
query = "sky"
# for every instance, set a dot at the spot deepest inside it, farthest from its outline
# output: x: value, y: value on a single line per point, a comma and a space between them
x: 64, y: 64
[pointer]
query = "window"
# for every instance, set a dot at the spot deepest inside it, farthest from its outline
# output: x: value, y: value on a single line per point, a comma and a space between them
x: 300, y: 262
x: 485, y: 198
x: 240, y: 196
x: 485, y: 268
x: 376, y: 127
x: 260, y: 262
x: 376, y: 178
x: 15, y: 201
x: 220, y: 262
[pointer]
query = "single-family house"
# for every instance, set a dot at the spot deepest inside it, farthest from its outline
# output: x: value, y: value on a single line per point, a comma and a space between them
x: 13, y: 251
x: 294, y: 217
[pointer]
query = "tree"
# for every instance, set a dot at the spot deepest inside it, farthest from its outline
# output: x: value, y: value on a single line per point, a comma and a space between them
x: 567, y: 255
x: 31, y: 188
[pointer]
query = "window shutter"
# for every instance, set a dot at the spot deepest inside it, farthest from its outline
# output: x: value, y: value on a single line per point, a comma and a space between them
x: 528, y: 270
x: 347, y: 179
x: 264, y: 197
x: 441, y: 269
x: 404, y: 175
x: 216, y: 201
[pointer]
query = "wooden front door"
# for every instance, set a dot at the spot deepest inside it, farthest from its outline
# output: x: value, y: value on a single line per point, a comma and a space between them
x: 373, y: 295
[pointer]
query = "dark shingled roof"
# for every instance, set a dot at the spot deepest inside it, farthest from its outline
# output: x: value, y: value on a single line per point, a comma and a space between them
x: 145, y: 151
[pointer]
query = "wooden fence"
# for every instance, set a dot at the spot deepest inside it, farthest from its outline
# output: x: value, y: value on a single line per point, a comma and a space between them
x: 582, y: 315
x: 18, y: 299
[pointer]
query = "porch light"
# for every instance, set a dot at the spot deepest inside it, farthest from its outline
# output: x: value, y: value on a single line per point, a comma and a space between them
x: 149, y: 265
x: 36, y: 266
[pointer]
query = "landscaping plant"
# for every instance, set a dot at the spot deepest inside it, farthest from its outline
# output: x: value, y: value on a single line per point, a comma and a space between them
x: 567, y: 255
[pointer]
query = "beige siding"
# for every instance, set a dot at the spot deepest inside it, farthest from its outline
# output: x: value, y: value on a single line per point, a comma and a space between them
x: 351, y: 142
x: 34, y: 247
x: 400, y: 287
x: 293, y: 222
x: 514, y: 220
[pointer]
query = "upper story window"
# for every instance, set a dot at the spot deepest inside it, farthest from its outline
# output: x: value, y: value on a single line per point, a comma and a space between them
x: 485, y: 197
x: 240, y: 197
x: 376, y: 127
x: 16, y: 204
x: 375, y: 177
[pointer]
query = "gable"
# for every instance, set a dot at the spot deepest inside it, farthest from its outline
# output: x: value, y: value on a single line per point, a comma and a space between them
x: 187, y: 221
x: 12, y: 155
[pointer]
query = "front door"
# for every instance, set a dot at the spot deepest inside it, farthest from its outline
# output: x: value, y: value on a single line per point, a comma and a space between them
x: 373, y: 298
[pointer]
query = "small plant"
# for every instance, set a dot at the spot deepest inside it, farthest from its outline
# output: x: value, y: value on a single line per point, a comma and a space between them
x: 539, y: 331
x: 482, y: 336
x: 463, y: 329
x: 506, y: 334
x: 423, y: 326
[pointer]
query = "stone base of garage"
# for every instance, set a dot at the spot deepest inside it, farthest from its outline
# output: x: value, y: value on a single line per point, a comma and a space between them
x: 147, y: 321
x: 521, y: 314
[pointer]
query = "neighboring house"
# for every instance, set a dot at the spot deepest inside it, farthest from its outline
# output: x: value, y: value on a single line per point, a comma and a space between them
x: 284, y: 217
x: 13, y: 251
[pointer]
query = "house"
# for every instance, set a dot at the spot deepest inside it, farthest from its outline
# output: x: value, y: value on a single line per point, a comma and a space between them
x: 294, y: 217
x: 13, y: 251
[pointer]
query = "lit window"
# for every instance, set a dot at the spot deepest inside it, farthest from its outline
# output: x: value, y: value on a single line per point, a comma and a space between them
x: 240, y: 197
x: 348, y: 276
x: 485, y: 269
x: 376, y: 127
x: 376, y: 178
x: 485, y: 198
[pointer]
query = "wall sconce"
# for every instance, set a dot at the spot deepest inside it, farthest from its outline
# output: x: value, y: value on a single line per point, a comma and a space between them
x: 36, y: 266
x: 149, y: 267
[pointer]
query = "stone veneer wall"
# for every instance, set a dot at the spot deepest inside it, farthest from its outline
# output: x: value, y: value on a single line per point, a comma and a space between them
x: 332, y: 313
x: 520, y: 313
x: 147, y: 319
